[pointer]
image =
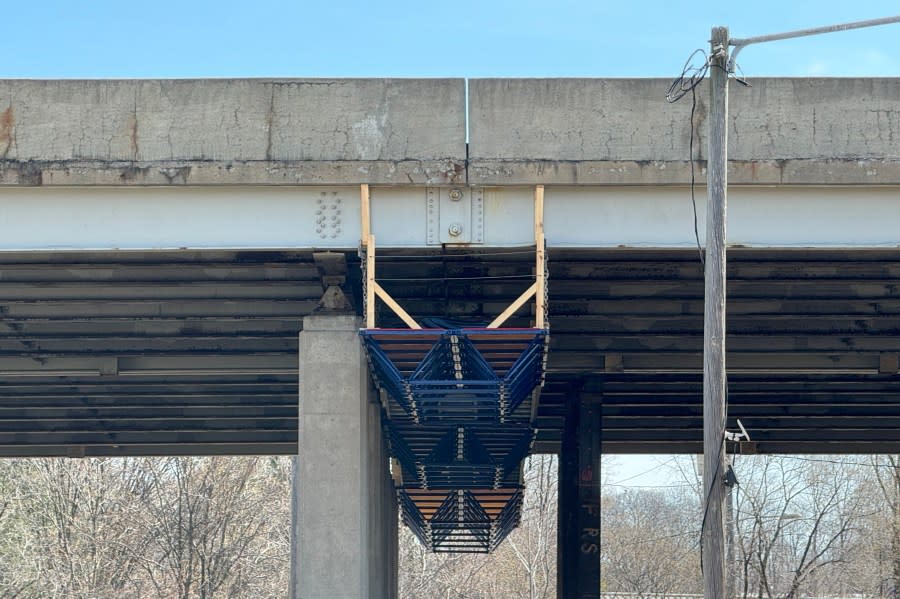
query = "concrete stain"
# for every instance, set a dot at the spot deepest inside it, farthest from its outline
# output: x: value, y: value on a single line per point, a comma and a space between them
x: 7, y: 130
x: 133, y: 134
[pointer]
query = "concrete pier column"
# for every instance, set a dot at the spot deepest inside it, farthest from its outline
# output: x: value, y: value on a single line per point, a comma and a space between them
x: 345, y: 518
x: 578, y: 560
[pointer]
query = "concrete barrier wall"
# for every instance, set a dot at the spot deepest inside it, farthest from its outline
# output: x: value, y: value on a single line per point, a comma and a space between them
x: 623, y: 131
x: 413, y: 132
x: 232, y: 131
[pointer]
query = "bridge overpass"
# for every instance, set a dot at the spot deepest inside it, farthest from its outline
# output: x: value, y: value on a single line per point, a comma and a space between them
x: 165, y: 246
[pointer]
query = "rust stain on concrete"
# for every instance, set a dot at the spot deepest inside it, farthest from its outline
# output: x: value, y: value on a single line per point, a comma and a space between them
x: 133, y: 134
x: 7, y: 130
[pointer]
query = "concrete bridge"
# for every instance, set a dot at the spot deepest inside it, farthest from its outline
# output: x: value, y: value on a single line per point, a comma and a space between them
x: 166, y: 244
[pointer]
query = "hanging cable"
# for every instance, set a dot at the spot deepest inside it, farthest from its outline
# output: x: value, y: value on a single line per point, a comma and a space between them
x: 691, y: 76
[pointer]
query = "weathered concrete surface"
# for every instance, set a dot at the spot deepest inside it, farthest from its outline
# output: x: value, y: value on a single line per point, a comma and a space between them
x: 231, y: 131
x: 622, y: 131
x: 346, y: 512
x: 412, y: 132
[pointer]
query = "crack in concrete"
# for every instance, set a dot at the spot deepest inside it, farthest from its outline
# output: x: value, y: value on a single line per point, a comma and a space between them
x: 134, y: 131
x: 270, y: 119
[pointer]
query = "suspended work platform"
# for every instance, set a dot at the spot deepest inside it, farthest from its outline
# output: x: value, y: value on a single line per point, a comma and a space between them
x: 470, y: 456
x: 461, y: 375
x: 459, y: 406
x: 462, y: 520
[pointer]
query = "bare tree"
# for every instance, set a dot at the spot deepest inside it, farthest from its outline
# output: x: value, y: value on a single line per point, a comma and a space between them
x: 534, y: 543
x: 887, y: 476
x: 77, y: 538
x: 203, y: 517
x: 795, y: 519
x: 119, y: 528
x: 524, y: 566
x: 650, y: 542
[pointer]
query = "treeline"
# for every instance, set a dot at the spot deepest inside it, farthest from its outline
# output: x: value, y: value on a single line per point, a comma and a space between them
x: 805, y: 526
x: 170, y: 528
x: 204, y: 528
x: 801, y: 527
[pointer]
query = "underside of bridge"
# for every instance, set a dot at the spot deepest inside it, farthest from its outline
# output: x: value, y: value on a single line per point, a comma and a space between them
x: 131, y: 325
x: 195, y: 352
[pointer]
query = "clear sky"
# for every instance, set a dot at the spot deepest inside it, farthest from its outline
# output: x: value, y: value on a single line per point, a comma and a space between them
x: 403, y: 38
x: 462, y: 38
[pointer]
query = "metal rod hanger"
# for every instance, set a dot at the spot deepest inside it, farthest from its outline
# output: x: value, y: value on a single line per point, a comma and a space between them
x: 740, y: 43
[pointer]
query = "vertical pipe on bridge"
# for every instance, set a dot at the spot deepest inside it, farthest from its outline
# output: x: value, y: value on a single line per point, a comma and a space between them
x: 714, y: 380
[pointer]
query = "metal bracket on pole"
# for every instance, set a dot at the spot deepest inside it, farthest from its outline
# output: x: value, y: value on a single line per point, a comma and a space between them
x: 738, y: 437
x: 741, y: 43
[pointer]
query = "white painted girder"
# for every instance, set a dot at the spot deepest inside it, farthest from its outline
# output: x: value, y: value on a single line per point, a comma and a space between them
x: 110, y: 218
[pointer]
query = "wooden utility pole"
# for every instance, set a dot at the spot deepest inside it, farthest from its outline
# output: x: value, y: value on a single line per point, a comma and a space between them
x: 714, y: 381
x: 731, y: 567
x: 713, y: 534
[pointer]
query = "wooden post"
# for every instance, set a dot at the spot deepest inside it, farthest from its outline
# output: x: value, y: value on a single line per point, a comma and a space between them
x: 365, y: 215
x: 367, y: 240
x: 370, y: 282
x: 540, y: 258
x: 713, y: 533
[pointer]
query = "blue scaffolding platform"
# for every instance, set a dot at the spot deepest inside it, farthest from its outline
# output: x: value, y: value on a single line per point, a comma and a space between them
x: 458, y: 410
x: 459, y: 427
x: 471, y: 456
x: 458, y: 375
x: 461, y: 520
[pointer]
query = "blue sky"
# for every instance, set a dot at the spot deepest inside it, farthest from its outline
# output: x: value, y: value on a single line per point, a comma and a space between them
x: 463, y: 38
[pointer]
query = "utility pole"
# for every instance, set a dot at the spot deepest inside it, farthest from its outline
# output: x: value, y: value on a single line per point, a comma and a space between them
x: 713, y: 533
x: 714, y: 382
x: 731, y: 569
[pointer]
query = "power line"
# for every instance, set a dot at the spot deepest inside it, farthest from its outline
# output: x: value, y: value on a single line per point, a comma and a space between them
x: 672, y: 486
x: 640, y: 474
x: 691, y: 76
x: 829, y: 461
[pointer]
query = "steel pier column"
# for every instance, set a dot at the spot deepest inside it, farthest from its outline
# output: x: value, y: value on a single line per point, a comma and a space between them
x: 578, y: 563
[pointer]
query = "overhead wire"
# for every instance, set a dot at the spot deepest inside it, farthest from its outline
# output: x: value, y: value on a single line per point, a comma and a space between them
x: 386, y: 255
x: 714, y: 478
x: 640, y: 474
x: 672, y: 486
x: 634, y: 542
x: 478, y: 278
x: 828, y: 461
x: 692, y: 74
